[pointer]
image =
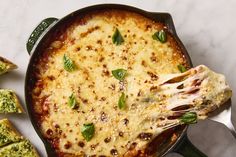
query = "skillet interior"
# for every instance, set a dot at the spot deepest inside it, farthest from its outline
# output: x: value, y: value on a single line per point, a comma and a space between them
x: 57, y: 30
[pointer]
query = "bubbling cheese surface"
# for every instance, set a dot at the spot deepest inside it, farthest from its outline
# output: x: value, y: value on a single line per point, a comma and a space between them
x: 89, y: 45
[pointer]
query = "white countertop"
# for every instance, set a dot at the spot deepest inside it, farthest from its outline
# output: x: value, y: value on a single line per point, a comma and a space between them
x: 206, y: 27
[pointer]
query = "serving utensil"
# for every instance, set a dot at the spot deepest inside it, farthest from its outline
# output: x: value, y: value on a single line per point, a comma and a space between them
x: 223, y: 116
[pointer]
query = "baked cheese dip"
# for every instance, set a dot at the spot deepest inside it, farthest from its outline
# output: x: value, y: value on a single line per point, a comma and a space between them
x: 94, y: 82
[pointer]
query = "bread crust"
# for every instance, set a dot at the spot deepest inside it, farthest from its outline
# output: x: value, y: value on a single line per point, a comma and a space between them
x: 8, y: 65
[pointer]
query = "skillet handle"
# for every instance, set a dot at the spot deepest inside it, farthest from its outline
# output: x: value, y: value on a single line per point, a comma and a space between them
x: 38, y: 31
x: 187, y: 149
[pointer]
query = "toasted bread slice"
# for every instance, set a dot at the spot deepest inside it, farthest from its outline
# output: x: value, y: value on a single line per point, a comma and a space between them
x: 6, y: 65
x: 19, y: 149
x: 12, y: 143
x: 9, y: 102
x: 8, y: 134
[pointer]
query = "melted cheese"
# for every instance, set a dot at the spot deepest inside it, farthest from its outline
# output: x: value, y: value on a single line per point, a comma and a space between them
x: 198, y: 90
x: 90, y: 47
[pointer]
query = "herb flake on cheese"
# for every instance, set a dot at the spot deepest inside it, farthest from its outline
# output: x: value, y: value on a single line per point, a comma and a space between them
x: 189, y: 118
x: 181, y: 68
x: 160, y: 36
x: 72, y: 101
x: 69, y: 65
x: 88, y: 131
x: 121, y: 102
x: 117, y: 38
x: 119, y: 74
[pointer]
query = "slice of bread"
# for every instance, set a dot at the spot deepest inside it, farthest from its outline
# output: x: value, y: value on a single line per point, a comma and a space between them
x: 9, y: 103
x: 6, y: 65
x: 8, y: 134
x: 20, y: 149
x: 12, y: 143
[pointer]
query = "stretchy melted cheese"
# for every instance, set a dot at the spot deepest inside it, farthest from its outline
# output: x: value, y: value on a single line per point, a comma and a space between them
x: 88, y: 43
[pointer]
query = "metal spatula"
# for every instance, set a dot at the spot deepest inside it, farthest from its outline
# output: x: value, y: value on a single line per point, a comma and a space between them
x: 223, y: 115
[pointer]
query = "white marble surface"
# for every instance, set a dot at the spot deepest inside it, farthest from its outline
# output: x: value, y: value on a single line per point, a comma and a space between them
x: 206, y: 27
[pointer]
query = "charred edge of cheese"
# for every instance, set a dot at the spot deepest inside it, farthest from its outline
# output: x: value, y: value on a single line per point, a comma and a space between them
x: 88, y: 43
x: 6, y: 65
x: 9, y: 103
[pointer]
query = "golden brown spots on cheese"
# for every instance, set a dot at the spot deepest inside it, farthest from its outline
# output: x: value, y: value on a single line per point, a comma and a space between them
x: 107, y: 140
x: 152, y: 75
x: 90, y: 30
x: 145, y: 136
x: 93, y: 146
x: 81, y: 144
x: 49, y: 132
x: 153, y: 57
x: 121, y: 134
x: 67, y: 145
x: 126, y: 121
x: 114, y: 152
x: 144, y: 63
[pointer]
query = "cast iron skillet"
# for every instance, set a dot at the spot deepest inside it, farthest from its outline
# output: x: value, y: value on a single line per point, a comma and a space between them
x: 45, y: 30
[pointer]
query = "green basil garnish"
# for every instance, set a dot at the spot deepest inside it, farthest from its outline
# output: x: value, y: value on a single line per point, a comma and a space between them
x: 72, y: 101
x: 68, y: 64
x: 117, y: 38
x: 160, y: 36
x: 181, y: 68
x: 88, y: 131
x: 119, y: 74
x: 189, y: 118
x: 121, y: 102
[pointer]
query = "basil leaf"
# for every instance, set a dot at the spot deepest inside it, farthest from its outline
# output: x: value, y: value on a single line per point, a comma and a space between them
x: 117, y: 38
x: 189, y: 118
x: 160, y: 36
x: 121, y: 102
x: 181, y: 68
x: 68, y: 64
x: 119, y: 74
x: 72, y: 101
x: 88, y: 131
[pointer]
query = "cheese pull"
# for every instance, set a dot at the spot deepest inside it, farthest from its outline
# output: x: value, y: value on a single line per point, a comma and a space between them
x: 180, y: 97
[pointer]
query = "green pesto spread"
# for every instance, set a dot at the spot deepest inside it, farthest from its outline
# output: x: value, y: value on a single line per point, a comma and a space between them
x: 20, y: 149
x: 7, y: 135
x: 3, y: 67
x: 8, y: 102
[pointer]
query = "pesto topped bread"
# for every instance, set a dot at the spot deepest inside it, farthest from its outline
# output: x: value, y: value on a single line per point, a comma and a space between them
x: 9, y: 102
x: 8, y: 134
x: 19, y: 149
x: 12, y: 144
x: 6, y: 65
